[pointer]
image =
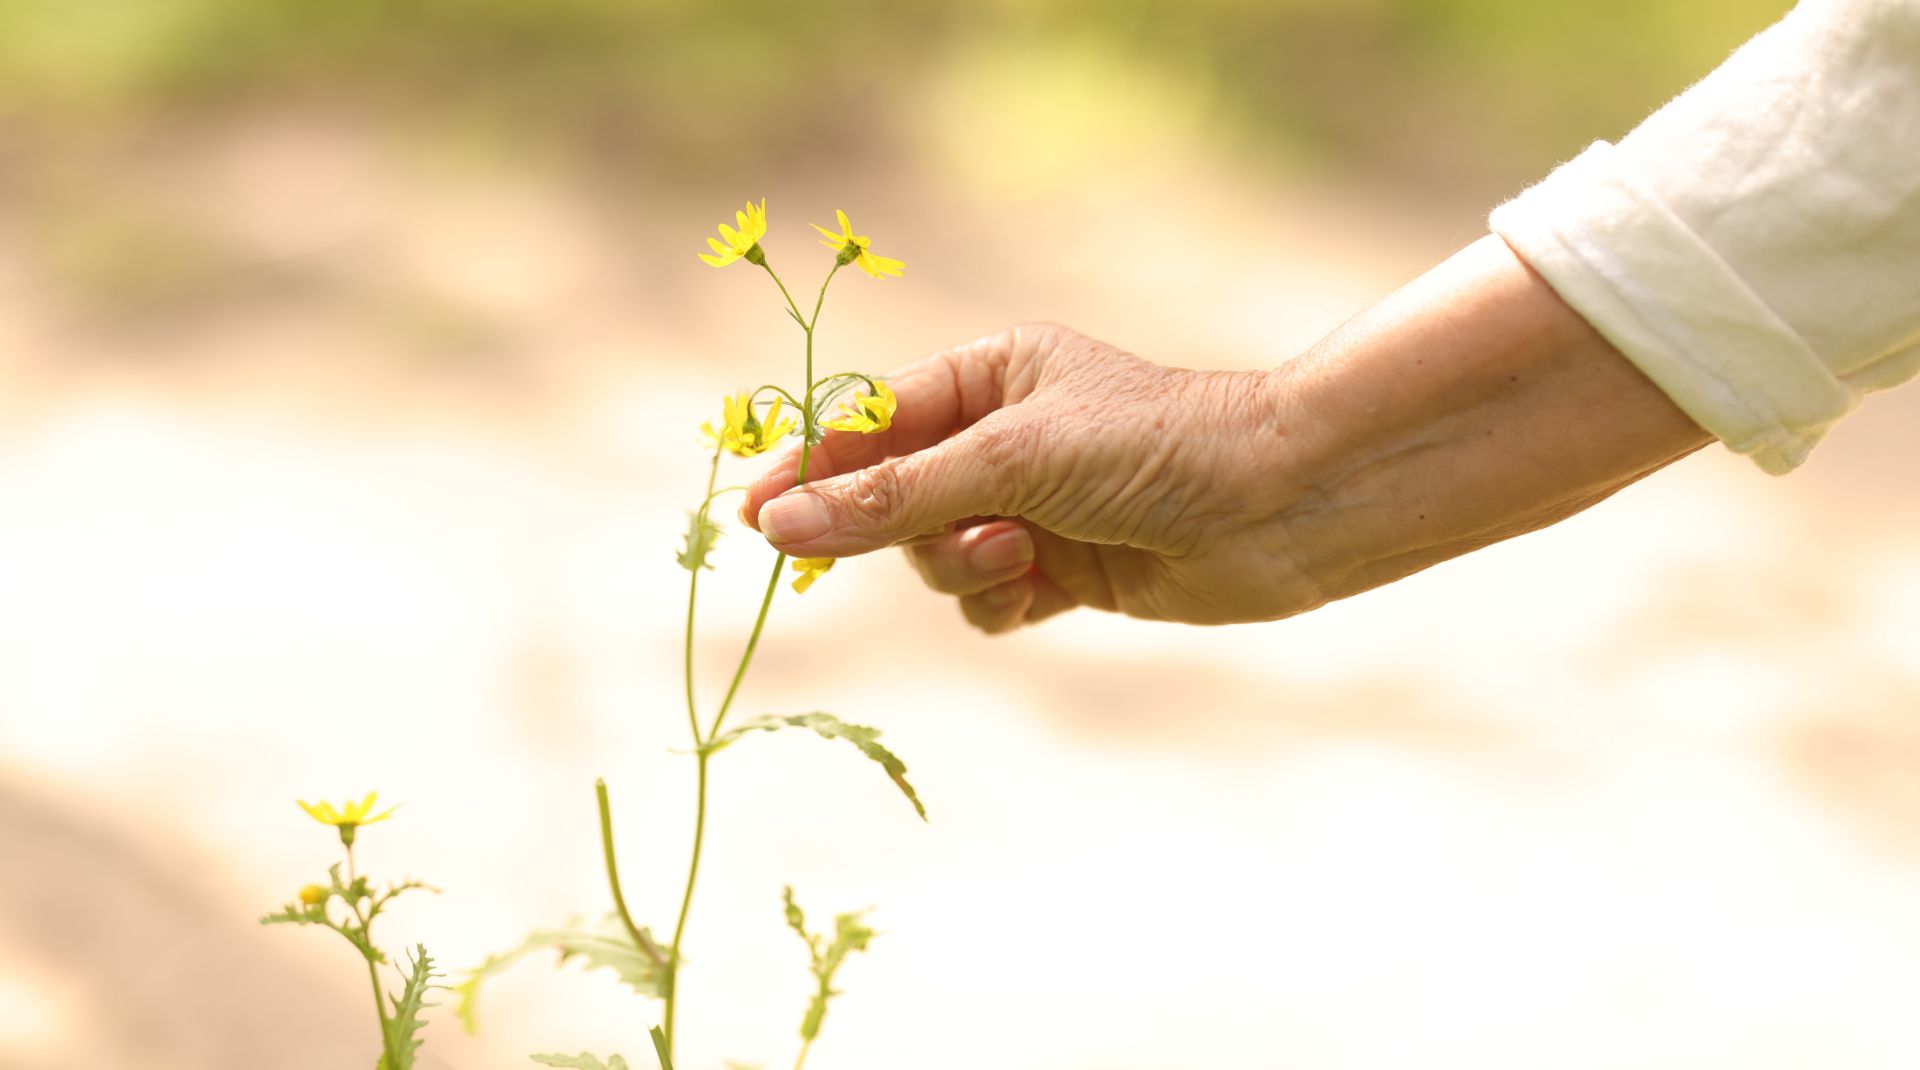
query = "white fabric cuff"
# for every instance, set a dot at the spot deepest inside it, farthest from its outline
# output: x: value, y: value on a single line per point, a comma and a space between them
x: 1680, y: 313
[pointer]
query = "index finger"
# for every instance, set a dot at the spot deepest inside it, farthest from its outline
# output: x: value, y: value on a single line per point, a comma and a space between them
x: 939, y: 396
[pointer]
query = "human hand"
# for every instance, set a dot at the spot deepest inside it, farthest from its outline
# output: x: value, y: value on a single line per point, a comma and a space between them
x: 1038, y: 470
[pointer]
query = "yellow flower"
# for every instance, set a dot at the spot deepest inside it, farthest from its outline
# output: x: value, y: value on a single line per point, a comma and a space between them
x: 868, y: 413
x: 742, y: 433
x: 350, y: 816
x: 808, y: 569
x: 743, y: 243
x: 313, y: 895
x: 857, y: 249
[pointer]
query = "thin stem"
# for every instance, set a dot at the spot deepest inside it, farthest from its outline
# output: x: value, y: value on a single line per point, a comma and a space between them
x: 780, y: 390
x: 841, y: 381
x: 379, y: 1005
x: 783, y: 293
x: 805, y: 1046
x: 753, y: 638
x: 686, y: 903
x: 739, y: 672
x: 817, y: 302
x: 640, y: 939
x: 373, y: 974
x: 693, y: 597
x: 780, y: 562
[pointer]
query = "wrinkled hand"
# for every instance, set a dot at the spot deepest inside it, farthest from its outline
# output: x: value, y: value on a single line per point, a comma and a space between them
x: 1038, y: 470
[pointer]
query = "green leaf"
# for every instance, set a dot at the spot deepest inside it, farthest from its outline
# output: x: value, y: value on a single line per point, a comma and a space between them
x: 582, y: 1061
x: 796, y: 919
x: 298, y: 914
x: 850, y: 934
x: 350, y: 893
x: 607, y: 946
x: 702, y: 534
x: 407, y: 1009
x: 378, y: 903
x: 829, y: 727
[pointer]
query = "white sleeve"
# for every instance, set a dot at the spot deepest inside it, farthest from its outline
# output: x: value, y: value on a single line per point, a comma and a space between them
x: 1754, y: 246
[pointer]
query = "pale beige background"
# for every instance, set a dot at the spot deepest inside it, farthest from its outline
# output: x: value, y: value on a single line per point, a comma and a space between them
x: 371, y: 474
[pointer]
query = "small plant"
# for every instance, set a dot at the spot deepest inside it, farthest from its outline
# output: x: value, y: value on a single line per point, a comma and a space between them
x: 751, y: 423
x: 358, y: 905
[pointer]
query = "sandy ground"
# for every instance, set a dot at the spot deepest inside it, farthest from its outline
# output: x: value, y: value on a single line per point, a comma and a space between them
x: 392, y: 504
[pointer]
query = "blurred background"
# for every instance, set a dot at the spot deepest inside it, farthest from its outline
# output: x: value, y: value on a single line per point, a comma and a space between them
x: 350, y: 360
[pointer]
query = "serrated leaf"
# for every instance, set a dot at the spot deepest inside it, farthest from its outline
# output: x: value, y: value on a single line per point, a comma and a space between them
x: 582, y: 1061
x: 850, y: 933
x: 796, y: 918
x: 607, y: 946
x: 408, y: 1006
x: 829, y: 727
x: 298, y: 914
x: 702, y: 534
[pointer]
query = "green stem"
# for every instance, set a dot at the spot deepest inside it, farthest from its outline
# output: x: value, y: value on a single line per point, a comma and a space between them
x: 693, y: 595
x: 640, y: 939
x: 805, y: 1046
x: 806, y: 450
x: 373, y: 974
x: 686, y: 903
x: 817, y: 302
x: 783, y: 293
x: 739, y: 672
x: 753, y: 638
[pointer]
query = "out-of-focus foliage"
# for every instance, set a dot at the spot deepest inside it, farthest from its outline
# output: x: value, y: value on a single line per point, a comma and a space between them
x: 672, y: 86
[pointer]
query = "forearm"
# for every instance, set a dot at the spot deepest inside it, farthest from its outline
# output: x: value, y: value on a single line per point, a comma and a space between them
x: 1468, y: 407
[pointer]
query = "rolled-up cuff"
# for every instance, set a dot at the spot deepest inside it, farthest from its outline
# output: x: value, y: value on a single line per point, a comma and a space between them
x: 1681, y: 314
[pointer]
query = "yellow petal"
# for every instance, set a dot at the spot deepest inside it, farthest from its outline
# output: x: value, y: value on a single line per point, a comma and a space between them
x: 714, y: 260
x: 878, y: 266
x: 808, y: 569
x: 846, y: 225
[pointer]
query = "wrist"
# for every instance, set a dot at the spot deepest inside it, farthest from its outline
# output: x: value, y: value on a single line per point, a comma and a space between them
x: 1467, y: 407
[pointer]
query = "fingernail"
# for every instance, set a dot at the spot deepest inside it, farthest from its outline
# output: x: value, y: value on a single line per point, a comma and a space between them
x: 1009, y: 549
x: 794, y: 518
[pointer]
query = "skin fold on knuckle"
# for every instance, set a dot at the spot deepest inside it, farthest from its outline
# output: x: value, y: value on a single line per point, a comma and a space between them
x: 1002, y: 452
x: 870, y: 500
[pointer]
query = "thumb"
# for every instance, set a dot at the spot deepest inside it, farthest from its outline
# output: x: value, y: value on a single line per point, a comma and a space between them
x: 872, y: 508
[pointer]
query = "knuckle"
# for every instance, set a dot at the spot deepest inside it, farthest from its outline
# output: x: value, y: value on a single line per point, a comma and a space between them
x: 1005, y: 450
x: 873, y: 495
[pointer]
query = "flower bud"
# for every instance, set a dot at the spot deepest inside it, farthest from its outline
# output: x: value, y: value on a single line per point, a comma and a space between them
x: 313, y: 895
